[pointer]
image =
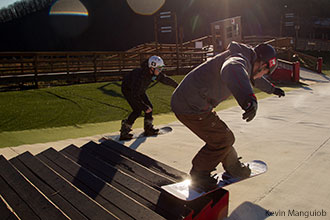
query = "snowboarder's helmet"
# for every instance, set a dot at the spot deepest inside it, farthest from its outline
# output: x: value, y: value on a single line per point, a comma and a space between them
x: 267, y: 53
x: 156, y: 62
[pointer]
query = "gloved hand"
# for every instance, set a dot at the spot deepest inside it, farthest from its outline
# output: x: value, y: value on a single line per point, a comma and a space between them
x: 250, y: 110
x: 279, y: 92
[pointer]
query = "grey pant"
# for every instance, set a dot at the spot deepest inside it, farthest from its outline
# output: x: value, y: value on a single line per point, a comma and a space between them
x: 216, y: 134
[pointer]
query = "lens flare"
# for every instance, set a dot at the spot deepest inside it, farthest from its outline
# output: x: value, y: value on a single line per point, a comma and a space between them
x: 68, y: 7
x: 69, y: 18
x: 195, y: 23
x: 145, y: 7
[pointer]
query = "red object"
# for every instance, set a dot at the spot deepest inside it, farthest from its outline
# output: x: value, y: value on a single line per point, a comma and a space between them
x: 214, y: 209
x: 287, y: 71
x: 220, y: 210
x: 272, y: 62
x: 281, y: 74
x: 296, y: 71
x: 319, y: 64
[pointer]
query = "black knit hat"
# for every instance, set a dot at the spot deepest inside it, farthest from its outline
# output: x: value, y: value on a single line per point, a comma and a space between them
x: 267, y: 53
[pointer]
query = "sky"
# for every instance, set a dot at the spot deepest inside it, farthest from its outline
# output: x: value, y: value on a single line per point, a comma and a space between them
x: 5, y: 3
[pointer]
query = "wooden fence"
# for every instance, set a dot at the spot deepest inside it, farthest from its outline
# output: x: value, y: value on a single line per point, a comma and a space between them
x: 300, y: 44
x: 36, y: 67
x: 286, y: 48
x: 21, y: 67
x: 305, y: 60
x: 279, y: 42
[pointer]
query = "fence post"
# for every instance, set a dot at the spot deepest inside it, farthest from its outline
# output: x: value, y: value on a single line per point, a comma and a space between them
x: 319, y: 64
x: 22, y: 65
x: 36, y: 69
x: 95, y: 66
x: 51, y: 63
x: 121, y: 62
x: 67, y: 64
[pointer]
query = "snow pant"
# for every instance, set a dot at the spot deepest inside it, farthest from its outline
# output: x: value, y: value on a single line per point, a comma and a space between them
x: 136, y: 107
x: 217, y: 136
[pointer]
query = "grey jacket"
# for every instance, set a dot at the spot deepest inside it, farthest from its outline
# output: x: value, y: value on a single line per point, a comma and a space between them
x: 215, y: 80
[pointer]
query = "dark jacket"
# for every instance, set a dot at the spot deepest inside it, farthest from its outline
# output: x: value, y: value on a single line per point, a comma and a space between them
x: 215, y: 80
x: 136, y: 83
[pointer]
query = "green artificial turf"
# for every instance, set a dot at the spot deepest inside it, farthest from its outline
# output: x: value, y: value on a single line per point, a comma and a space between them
x: 72, y: 105
x: 58, y: 113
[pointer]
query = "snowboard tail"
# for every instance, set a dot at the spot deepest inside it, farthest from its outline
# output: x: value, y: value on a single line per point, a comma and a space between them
x: 186, y: 191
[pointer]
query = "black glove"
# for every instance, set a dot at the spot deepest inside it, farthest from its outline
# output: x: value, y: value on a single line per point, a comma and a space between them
x: 279, y: 92
x: 250, y: 110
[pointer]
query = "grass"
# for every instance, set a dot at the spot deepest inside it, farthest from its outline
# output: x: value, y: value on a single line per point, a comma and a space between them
x: 71, y: 105
x: 58, y: 113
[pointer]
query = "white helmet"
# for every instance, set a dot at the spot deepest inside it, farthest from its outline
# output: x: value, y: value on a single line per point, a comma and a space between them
x: 156, y: 62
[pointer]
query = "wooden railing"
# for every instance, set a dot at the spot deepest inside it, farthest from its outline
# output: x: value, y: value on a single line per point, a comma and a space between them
x: 16, y: 67
x: 35, y: 67
x: 289, y: 42
x: 207, y: 40
x: 305, y: 60
x: 286, y: 42
x: 165, y: 48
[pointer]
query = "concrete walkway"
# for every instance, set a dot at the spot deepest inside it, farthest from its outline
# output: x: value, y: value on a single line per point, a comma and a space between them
x: 291, y: 134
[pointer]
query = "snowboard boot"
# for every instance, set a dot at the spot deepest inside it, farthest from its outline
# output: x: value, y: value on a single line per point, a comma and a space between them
x: 203, y: 180
x: 149, y: 129
x: 234, y: 167
x: 124, y: 131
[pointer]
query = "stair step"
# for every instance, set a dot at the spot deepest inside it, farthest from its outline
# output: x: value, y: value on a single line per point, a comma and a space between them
x: 71, y: 211
x: 76, y: 197
x: 124, y: 182
x: 127, y: 165
x: 18, y: 191
x: 110, y: 195
x: 5, y: 211
x: 170, y: 172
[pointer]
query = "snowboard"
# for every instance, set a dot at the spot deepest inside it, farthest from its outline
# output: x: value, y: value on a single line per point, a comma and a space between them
x: 136, y: 135
x: 186, y: 192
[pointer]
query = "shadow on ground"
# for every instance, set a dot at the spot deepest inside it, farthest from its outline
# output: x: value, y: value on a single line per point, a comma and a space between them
x: 249, y: 211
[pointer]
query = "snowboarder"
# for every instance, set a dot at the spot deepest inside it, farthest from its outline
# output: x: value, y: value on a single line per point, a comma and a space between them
x: 232, y: 72
x: 134, y: 86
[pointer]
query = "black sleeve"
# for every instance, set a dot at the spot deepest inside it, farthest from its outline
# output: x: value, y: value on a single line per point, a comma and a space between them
x: 137, y: 89
x: 264, y: 85
x: 163, y: 78
x: 236, y: 78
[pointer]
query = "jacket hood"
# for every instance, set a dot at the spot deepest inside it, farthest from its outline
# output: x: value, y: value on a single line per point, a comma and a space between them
x: 245, y: 50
